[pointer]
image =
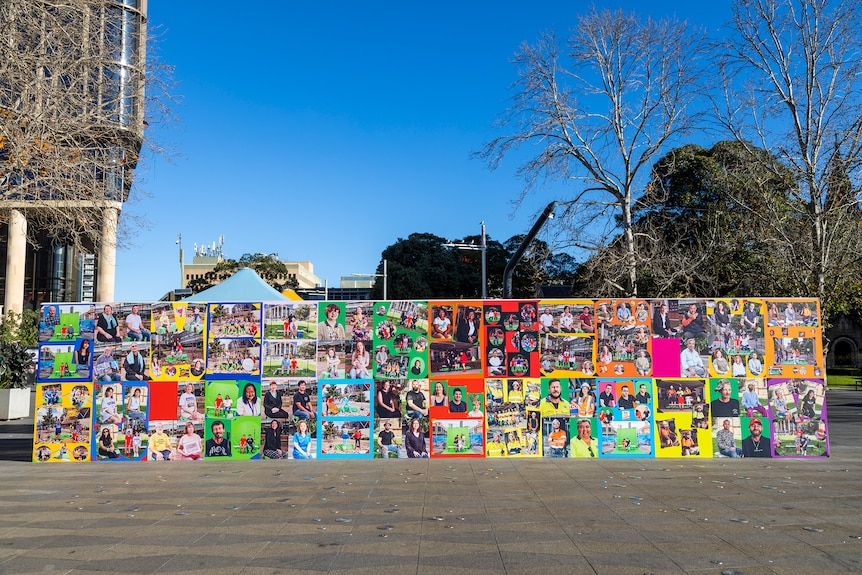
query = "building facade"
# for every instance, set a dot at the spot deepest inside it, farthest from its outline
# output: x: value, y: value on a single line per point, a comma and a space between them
x: 206, y: 257
x: 72, y: 107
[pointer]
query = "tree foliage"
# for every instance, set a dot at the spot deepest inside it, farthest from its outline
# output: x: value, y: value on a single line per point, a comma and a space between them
x: 267, y: 266
x: 18, y: 333
x: 21, y: 327
x: 561, y: 269
x: 422, y: 266
x: 699, y: 227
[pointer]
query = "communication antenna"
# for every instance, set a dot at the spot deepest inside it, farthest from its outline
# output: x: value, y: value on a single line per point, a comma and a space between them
x: 182, y: 274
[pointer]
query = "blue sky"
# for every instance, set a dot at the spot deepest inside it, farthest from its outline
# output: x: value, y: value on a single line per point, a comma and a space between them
x: 326, y: 131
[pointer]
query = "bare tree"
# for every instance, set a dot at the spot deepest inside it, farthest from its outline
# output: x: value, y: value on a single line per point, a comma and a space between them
x: 72, y: 114
x: 598, y: 116
x: 792, y: 72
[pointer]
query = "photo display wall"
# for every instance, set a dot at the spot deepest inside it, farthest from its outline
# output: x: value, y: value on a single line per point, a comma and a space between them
x: 173, y: 381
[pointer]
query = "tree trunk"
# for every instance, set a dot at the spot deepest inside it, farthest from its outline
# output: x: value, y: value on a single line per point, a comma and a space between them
x: 631, y: 254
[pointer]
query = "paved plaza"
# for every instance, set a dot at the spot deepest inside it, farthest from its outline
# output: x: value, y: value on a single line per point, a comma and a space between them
x: 465, y: 516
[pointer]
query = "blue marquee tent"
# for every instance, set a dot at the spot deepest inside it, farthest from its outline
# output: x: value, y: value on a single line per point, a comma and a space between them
x: 243, y: 286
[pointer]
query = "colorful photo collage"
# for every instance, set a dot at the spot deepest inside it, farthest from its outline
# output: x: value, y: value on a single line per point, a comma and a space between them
x: 495, y: 378
x: 289, y: 381
x: 403, y: 361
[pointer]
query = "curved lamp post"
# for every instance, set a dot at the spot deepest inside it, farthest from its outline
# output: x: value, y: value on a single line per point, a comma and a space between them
x: 547, y: 213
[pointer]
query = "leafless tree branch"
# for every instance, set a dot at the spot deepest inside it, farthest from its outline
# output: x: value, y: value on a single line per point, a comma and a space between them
x: 598, y: 110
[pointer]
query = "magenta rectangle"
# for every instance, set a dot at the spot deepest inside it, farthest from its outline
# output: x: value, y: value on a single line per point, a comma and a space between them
x: 665, y: 355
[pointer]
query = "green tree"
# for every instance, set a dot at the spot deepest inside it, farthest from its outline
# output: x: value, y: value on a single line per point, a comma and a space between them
x: 18, y: 332
x: 215, y: 348
x: 706, y: 227
x: 329, y: 430
x: 422, y: 266
x: 561, y: 269
x: 845, y: 294
x: 21, y: 328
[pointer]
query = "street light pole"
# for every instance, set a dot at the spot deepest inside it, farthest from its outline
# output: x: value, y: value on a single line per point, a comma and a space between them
x: 182, y: 271
x: 546, y: 214
x: 483, y: 247
x: 384, y: 275
x: 484, y: 262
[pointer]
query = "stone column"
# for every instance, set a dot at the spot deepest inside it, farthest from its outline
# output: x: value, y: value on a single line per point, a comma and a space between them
x: 107, y: 265
x: 16, y: 258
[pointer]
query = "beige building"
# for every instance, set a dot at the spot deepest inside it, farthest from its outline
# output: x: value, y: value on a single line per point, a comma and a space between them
x: 205, y: 260
x: 304, y: 274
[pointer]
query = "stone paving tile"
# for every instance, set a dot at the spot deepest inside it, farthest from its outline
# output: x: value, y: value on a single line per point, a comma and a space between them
x: 88, y: 569
x: 515, y: 559
x: 301, y: 559
x: 39, y: 566
x: 216, y: 571
x: 436, y: 569
x: 538, y: 534
x: 693, y: 536
x: 747, y: 570
x: 354, y: 560
x: 382, y: 570
x: 581, y: 566
x: 589, y: 534
x: 300, y: 530
x: 501, y: 519
x: 198, y: 559
x: 461, y: 535
x: 629, y: 563
x: 790, y: 560
x: 411, y: 527
x: 558, y: 548
x: 259, y: 570
x: 700, y: 556
x: 462, y: 560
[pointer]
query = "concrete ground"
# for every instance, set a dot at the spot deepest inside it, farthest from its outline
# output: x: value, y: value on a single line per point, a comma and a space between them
x: 440, y: 516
